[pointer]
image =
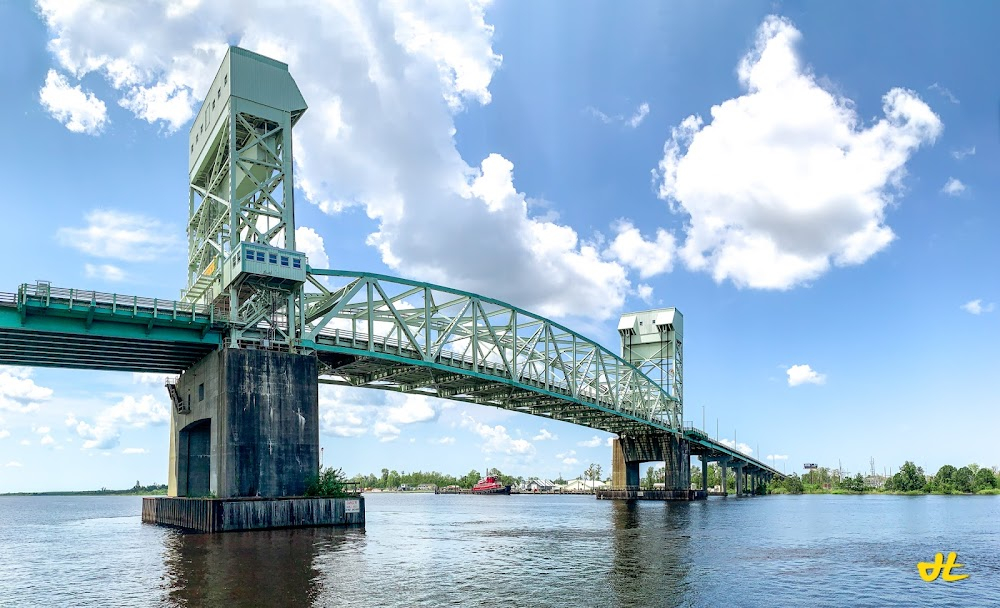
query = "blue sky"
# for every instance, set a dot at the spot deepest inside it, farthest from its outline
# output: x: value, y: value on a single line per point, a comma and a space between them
x: 812, y: 185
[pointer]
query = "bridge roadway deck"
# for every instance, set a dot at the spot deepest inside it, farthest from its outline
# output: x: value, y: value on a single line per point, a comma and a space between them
x: 93, y: 330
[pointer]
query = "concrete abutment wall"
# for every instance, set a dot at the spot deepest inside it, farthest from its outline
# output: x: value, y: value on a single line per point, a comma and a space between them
x: 254, y: 416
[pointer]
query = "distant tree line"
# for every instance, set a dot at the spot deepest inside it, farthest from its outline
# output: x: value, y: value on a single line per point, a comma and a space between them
x: 909, y: 479
x: 390, y: 479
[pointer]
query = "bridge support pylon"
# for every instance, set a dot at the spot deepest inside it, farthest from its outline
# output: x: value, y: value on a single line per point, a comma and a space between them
x: 247, y: 424
x: 244, y: 434
x: 629, y: 452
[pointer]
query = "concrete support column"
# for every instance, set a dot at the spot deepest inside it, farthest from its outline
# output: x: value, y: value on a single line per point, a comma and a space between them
x: 704, y: 473
x: 739, y: 478
x: 624, y: 474
x: 677, y: 463
x: 724, y: 463
x: 252, y: 428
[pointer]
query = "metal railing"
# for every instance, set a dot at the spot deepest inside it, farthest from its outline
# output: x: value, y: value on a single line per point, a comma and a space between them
x: 46, y: 295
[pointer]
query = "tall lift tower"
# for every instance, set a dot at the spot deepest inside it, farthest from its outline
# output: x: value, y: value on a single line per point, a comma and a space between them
x: 241, y: 228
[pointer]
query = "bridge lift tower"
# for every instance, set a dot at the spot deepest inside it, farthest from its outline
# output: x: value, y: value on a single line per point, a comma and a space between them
x: 241, y: 226
x: 653, y: 342
x: 246, y: 417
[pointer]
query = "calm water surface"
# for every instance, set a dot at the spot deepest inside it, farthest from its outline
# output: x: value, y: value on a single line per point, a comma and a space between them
x: 422, y: 549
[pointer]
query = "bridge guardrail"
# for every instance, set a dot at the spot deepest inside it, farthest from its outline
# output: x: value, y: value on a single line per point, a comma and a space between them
x: 8, y: 299
x: 46, y: 295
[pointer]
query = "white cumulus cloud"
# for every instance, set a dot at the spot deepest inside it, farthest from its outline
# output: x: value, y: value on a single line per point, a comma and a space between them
x: 384, y: 81
x: 104, y: 432
x: 593, y: 442
x: 739, y: 447
x: 977, y: 307
x: 309, y: 242
x: 645, y: 292
x: 122, y: 236
x: 953, y: 187
x: 18, y: 392
x: 648, y: 258
x: 543, y: 435
x: 786, y: 179
x: 385, y: 431
x: 568, y: 458
x: 496, y: 439
x: 12, y: 464
x: 77, y: 110
x: 803, y: 374
x: 4, y: 433
x: 777, y: 456
x: 134, y: 451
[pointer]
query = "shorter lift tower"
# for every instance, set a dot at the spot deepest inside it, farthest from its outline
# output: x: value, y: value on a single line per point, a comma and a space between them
x: 653, y: 342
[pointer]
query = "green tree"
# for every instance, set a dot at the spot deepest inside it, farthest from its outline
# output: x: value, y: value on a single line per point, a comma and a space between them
x: 650, y: 478
x: 944, y: 479
x: 984, y: 480
x: 962, y: 480
x: 910, y: 478
x: 329, y: 483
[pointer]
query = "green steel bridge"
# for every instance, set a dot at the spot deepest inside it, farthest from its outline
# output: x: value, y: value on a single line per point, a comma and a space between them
x: 255, y: 322
x: 367, y: 330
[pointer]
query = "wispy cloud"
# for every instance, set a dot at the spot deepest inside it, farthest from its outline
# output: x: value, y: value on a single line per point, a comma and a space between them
x: 962, y: 153
x: 777, y: 456
x: 944, y: 93
x: 640, y: 114
x: 105, y: 272
x: 977, y: 307
x: 122, y: 236
x: 632, y: 121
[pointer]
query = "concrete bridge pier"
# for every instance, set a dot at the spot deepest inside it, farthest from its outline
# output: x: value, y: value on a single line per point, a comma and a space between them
x: 738, y: 473
x: 624, y: 473
x: 244, y: 432
x: 629, y: 452
x: 245, y: 423
x: 724, y: 464
x: 704, y: 473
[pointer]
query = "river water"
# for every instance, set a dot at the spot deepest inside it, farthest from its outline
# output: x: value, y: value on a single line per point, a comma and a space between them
x: 461, y: 550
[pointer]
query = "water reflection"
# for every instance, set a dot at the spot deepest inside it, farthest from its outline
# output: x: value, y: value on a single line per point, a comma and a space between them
x: 651, y: 553
x: 263, y: 568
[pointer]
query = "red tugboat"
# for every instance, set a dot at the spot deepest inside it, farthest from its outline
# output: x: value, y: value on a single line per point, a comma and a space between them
x: 490, y: 485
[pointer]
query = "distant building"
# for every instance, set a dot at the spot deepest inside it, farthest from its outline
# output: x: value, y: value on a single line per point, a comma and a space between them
x: 583, y: 485
x: 426, y: 487
x: 538, y: 485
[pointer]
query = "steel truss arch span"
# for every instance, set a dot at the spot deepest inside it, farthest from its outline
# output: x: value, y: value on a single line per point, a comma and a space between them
x: 385, y: 332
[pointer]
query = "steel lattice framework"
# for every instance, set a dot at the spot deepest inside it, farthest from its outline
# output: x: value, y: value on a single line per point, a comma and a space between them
x: 383, y: 332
